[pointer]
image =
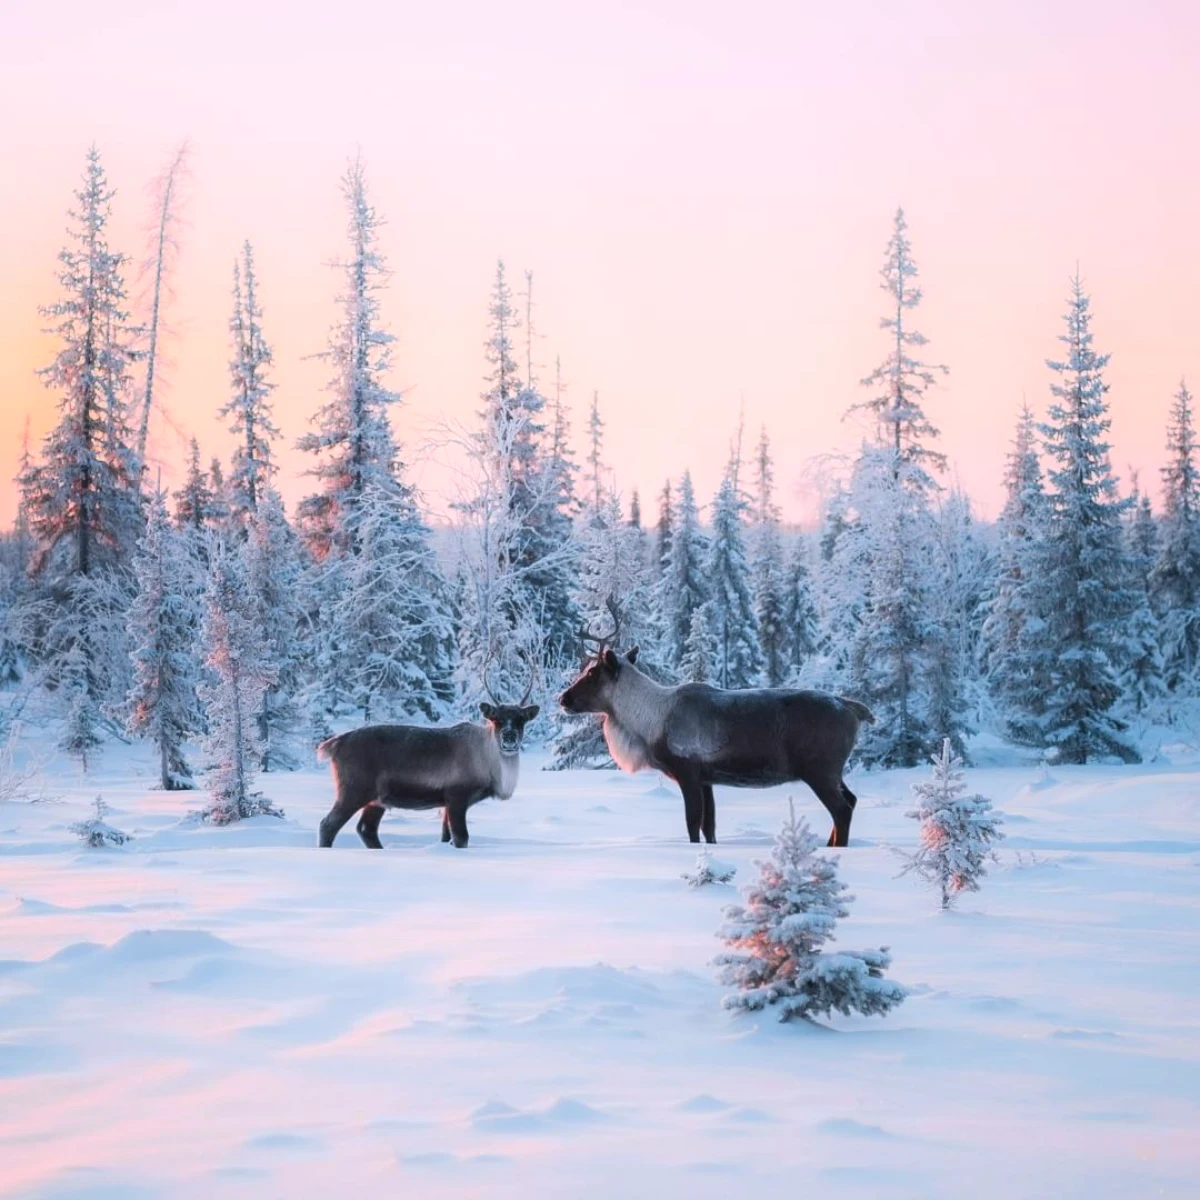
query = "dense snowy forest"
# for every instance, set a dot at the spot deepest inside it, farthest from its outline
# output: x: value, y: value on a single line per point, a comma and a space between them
x: 233, y: 634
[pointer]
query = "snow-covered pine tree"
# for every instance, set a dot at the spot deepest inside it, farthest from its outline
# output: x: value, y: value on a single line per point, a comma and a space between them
x: 238, y: 676
x: 881, y: 581
x: 96, y: 832
x: 517, y: 552
x: 82, y: 497
x: 164, y: 621
x: 739, y: 661
x: 82, y: 722
x: 1175, y: 578
x: 1143, y: 682
x: 1082, y: 587
x: 662, y: 531
x: 957, y: 830
x: 775, y: 939
x: 892, y: 656
x: 1016, y: 661
x: 684, y: 585
x: 249, y: 407
x: 393, y: 616
x: 962, y: 572
x: 800, y: 618
x: 275, y: 568
x: 768, y: 573
x: 699, y: 661
x: 194, y: 502
x: 543, y: 509
x: 353, y: 433
x: 902, y: 379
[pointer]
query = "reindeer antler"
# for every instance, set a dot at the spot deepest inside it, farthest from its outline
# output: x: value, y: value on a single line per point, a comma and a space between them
x: 603, y: 641
x: 487, y: 686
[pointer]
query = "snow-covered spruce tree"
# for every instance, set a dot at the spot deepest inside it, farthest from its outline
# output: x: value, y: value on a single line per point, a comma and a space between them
x: 684, y: 584
x: 96, y: 832
x: 393, y: 616
x: 962, y: 572
x: 164, y: 621
x: 82, y: 495
x: 901, y: 379
x: 957, y: 830
x: 513, y: 540
x: 698, y: 663
x: 882, y: 580
x: 1175, y: 577
x: 739, y: 661
x: 800, y: 617
x: 353, y: 435
x: 249, y: 407
x: 1081, y: 588
x: 238, y: 677
x: 775, y: 939
x: 82, y: 719
x: 768, y: 573
x: 274, y: 575
x: 542, y: 500
x: 892, y: 656
x: 1143, y: 683
x: 1016, y: 661
x: 81, y: 498
x: 194, y: 502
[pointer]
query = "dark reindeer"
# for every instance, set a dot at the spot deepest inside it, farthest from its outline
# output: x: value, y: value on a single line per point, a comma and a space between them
x: 418, y: 767
x: 700, y: 735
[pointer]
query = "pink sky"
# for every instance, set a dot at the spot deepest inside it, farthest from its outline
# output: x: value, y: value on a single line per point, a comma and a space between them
x: 703, y: 191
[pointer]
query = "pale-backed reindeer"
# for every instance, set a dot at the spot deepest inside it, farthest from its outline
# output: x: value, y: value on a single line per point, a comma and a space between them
x: 699, y: 735
x: 379, y: 767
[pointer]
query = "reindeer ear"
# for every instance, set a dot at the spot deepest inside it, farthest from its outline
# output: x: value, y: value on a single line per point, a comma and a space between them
x: 631, y: 655
x: 488, y: 711
x: 610, y: 662
x: 529, y: 713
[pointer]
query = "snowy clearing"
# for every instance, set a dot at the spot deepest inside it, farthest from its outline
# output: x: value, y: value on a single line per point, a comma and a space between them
x: 230, y: 1012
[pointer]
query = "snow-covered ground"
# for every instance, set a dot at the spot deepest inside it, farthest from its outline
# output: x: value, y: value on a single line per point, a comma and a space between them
x: 231, y: 1012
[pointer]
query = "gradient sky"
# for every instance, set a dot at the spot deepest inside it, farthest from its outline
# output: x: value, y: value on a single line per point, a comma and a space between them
x: 703, y: 191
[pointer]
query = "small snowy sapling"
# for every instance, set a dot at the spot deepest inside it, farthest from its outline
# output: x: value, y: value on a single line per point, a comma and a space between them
x: 96, y: 832
x: 956, y: 830
x: 775, y: 939
x: 709, y: 870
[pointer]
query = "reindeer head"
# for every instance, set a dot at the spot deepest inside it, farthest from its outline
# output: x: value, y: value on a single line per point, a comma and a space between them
x: 592, y: 690
x: 507, y: 721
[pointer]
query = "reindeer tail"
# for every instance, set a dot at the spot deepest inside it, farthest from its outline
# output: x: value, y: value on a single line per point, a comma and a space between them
x: 326, y: 749
x: 860, y: 710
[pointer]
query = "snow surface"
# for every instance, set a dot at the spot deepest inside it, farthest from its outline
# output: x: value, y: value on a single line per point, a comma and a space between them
x: 231, y: 1012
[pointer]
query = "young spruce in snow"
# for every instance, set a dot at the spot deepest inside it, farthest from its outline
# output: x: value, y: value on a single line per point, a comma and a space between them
x: 96, y: 832
x: 239, y: 677
x: 956, y: 830
x: 775, y: 939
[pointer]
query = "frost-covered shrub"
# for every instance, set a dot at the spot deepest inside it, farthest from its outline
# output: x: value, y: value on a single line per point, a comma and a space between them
x: 96, y: 832
x: 956, y: 830
x: 775, y: 939
x: 709, y: 870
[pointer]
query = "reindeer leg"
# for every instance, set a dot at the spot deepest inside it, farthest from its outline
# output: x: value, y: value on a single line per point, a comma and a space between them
x: 693, y: 805
x: 831, y: 794
x: 368, y: 826
x: 708, y: 816
x: 446, y: 824
x: 343, y: 809
x: 456, y: 814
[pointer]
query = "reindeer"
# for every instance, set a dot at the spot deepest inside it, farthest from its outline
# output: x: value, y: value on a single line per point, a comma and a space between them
x: 418, y: 767
x: 699, y: 735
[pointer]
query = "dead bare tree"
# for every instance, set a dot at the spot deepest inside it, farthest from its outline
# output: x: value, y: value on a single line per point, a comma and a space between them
x: 167, y: 194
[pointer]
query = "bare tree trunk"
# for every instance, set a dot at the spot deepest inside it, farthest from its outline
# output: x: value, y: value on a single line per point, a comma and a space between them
x: 167, y: 211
